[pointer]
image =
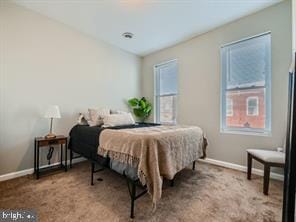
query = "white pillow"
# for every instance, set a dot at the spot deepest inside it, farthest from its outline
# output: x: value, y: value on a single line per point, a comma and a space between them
x: 83, y: 119
x: 118, y: 120
x: 117, y: 111
x: 96, y: 116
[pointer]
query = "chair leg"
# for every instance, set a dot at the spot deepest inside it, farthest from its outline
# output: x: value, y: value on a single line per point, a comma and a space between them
x: 249, y: 166
x: 266, y: 179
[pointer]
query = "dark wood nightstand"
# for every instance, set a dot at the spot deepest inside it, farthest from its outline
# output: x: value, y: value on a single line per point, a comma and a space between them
x: 49, y: 142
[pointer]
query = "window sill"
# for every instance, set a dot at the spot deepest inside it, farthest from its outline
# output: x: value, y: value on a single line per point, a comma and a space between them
x: 168, y: 123
x: 245, y: 133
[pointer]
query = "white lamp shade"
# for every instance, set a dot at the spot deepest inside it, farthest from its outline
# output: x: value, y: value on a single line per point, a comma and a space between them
x: 53, y: 112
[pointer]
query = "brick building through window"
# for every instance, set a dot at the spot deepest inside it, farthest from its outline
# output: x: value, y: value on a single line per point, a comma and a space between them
x: 247, y: 108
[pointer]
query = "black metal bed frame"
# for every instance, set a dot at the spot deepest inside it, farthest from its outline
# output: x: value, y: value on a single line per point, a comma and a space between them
x: 131, y: 184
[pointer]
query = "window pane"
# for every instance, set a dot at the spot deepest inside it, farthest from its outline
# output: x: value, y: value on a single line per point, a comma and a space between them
x: 240, y: 118
x: 166, y: 92
x: 168, y: 79
x: 252, y: 102
x: 167, y: 109
x: 248, y: 62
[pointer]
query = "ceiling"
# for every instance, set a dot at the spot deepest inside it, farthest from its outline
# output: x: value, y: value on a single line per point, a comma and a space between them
x: 156, y: 24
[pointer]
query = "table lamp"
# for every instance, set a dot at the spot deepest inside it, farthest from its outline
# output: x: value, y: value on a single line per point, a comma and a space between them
x: 51, y: 113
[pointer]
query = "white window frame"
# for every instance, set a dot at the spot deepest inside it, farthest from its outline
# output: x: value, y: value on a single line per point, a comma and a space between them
x: 256, y: 113
x: 157, y: 96
x: 267, y: 99
x: 229, y: 101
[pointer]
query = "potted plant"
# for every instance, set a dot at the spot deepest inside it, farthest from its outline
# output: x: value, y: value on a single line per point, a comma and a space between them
x: 141, y: 108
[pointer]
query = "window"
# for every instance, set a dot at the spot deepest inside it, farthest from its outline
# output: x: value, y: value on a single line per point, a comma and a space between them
x: 252, y: 106
x: 229, y: 107
x: 246, y: 85
x: 166, y: 92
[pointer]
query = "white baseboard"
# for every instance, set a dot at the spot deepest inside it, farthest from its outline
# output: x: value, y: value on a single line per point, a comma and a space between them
x: 13, y: 175
x: 255, y: 171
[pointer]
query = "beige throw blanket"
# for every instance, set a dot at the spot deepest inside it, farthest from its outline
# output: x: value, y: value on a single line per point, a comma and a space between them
x: 157, y: 152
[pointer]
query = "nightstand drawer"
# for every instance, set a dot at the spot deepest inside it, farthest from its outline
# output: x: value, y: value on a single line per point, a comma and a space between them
x: 52, y: 142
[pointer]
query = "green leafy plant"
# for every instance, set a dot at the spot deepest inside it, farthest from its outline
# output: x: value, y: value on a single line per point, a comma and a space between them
x: 141, y: 107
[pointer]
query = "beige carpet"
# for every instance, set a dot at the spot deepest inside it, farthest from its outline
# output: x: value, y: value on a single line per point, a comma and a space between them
x: 208, y: 194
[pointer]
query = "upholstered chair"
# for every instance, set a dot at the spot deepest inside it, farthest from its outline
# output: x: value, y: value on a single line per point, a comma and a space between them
x: 269, y: 158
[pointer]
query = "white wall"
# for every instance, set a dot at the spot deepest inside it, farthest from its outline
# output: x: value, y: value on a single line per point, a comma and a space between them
x: 199, y: 80
x: 44, y: 62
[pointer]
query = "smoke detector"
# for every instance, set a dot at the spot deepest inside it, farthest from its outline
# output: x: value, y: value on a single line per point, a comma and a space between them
x: 128, y: 35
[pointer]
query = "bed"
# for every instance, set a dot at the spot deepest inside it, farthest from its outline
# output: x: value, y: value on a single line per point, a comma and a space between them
x: 144, y: 154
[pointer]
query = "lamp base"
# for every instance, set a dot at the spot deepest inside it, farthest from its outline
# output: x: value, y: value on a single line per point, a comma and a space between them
x: 50, y: 135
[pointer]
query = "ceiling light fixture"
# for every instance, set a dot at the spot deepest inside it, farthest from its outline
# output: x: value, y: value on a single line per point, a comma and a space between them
x: 128, y: 35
